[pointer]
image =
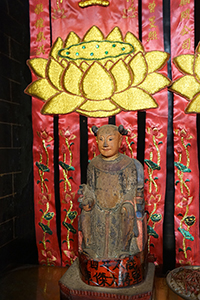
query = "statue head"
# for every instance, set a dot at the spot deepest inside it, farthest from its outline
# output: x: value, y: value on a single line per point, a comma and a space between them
x: 109, y: 138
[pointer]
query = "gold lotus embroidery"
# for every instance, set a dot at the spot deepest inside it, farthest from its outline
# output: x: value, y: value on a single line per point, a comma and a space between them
x: 98, y: 76
x: 188, y: 86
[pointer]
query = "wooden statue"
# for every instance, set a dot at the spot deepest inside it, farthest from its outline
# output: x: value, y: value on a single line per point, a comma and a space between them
x: 112, y: 223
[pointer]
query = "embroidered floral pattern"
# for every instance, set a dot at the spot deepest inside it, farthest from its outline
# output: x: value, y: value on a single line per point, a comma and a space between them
x: 153, y: 196
x: 182, y: 166
x: 98, y: 76
x: 45, y: 197
x: 188, y: 86
x: 68, y: 195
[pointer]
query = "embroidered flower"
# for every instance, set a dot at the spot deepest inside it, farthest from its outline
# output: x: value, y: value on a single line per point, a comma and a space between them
x: 43, y: 134
x: 44, y: 198
x: 188, y: 86
x: 98, y: 76
x: 185, y: 200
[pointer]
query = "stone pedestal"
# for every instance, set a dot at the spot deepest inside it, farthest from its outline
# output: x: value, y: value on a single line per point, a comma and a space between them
x: 73, y: 288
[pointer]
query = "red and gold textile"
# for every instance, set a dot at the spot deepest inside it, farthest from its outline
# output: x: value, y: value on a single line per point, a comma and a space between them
x: 113, y: 83
x: 43, y: 148
x: 185, y: 137
x: 155, y: 135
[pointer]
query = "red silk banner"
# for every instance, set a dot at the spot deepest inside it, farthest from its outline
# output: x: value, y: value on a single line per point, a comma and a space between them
x: 155, y: 136
x: 69, y: 163
x: 43, y: 147
x: 186, y: 216
x: 129, y: 119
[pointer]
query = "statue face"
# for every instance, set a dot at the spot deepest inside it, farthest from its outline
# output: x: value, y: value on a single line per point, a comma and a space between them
x: 109, y: 141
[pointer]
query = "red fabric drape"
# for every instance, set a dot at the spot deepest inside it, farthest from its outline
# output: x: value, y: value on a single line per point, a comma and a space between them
x: 43, y: 147
x: 155, y: 135
x: 186, y: 215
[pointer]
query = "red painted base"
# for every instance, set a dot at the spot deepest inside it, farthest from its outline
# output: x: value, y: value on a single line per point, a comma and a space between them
x: 73, y: 288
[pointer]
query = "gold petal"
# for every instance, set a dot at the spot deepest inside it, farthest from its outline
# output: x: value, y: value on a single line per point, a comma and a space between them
x: 154, y: 82
x: 62, y: 104
x: 72, y: 78
x: 197, y: 66
x: 156, y: 60
x: 84, y: 66
x: 71, y: 39
x: 58, y: 44
x: 131, y: 38
x: 64, y: 63
x: 55, y: 71
x: 38, y: 66
x: 138, y: 66
x: 108, y: 64
x: 115, y: 35
x: 94, y: 33
x: 194, y: 105
x: 187, y: 86
x: 198, y: 48
x: 97, y: 83
x: 105, y: 105
x: 184, y: 63
x: 134, y: 99
x: 41, y: 89
x: 122, y: 74
x: 98, y: 114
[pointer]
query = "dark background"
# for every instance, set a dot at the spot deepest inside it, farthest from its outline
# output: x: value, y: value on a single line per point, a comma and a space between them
x: 17, y: 233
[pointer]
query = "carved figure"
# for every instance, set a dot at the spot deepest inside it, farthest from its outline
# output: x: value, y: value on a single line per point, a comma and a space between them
x: 112, y: 221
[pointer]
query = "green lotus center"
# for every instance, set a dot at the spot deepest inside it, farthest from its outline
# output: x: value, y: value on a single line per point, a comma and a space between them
x: 96, y: 50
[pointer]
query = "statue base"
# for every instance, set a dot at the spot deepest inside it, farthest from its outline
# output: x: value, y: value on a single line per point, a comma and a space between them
x: 73, y: 288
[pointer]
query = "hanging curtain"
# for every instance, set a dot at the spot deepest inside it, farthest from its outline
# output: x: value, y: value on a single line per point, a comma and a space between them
x: 58, y: 23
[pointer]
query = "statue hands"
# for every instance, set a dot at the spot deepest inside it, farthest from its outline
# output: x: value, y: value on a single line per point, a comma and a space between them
x: 87, y: 197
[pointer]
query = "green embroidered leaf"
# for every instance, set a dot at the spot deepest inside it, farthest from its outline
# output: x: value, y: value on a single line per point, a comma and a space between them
x: 71, y: 240
x: 181, y: 215
x: 71, y: 144
x: 42, y: 167
x: 41, y: 210
x: 177, y: 181
x: 189, y: 220
x: 72, y: 215
x: 188, y: 144
x: 152, y: 165
x: 182, y: 167
x: 46, y: 179
x: 186, y: 234
x: 155, y: 178
x: 69, y: 227
x: 146, y: 180
x: 180, y: 250
x: 152, y: 245
x: 61, y: 180
x: 188, y: 248
x: 70, y: 177
x: 187, y: 180
x: 64, y: 241
x: 66, y: 167
x: 156, y: 217
x: 160, y: 143
x: 151, y: 231
x: 132, y: 143
x: 48, y: 146
x: 46, y: 228
x: 38, y: 181
x: 48, y: 241
x: 49, y: 216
